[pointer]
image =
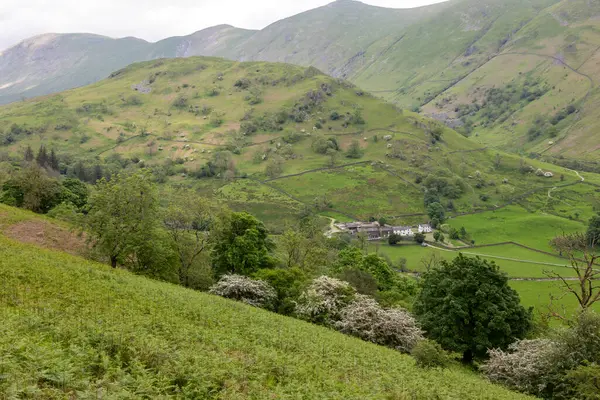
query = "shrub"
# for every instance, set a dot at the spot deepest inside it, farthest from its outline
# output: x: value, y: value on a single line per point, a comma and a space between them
x: 394, y: 239
x: 288, y: 284
x: 354, y: 151
x: 321, y: 144
x: 429, y: 354
x: 241, y: 288
x: 323, y: 301
x: 561, y: 367
x: 585, y: 382
x: 524, y: 367
x: 180, y: 102
x: 395, y: 328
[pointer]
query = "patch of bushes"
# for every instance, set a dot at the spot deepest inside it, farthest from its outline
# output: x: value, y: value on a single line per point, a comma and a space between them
x: 395, y: 328
x: 180, y: 102
x: 323, y: 301
x: 429, y: 354
x: 321, y: 144
x: 256, y: 293
x: 563, y: 366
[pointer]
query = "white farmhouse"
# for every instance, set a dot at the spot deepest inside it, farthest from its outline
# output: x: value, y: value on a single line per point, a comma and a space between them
x: 425, y: 228
x: 402, y: 230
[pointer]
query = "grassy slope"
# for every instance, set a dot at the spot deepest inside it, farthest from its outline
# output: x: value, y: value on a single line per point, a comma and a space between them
x: 75, y: 328
x: 53, y: 63
x: 438, y: 57
x: 332, y: 38
x: 109, y: 125
x: 557, y: 47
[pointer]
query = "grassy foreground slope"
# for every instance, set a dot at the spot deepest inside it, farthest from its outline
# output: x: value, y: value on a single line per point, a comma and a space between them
x: 72, y: 328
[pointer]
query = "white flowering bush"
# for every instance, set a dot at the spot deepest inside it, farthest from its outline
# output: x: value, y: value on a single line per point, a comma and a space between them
x: 241, y: 288
x: 395, y: 328
x: 524, y: 367
x: 324, y: 300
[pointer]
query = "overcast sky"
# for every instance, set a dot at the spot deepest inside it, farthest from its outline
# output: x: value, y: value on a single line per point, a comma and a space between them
x: 150, y: 19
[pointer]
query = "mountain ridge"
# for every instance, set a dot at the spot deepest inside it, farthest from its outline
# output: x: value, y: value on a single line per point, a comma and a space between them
x: 444, y: 60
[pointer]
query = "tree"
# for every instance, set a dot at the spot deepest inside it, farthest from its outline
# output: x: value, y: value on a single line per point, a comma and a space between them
x: 432, y: 261
x: 28, y: 154
x: 53, y: 161
x: 187, y: 221
x: 42, y: 158
x: 288, y: 283
x: 292, y: 243
x: 304, y: 246
x: 582, y: 256
x: 436, y: 211
x: 122, y: 215
x: 437, y: 236
x: 323, y: 301
x: 354, y: 151
x: 593, y: 231
x: 32, y: 189
x: 395, y: 328
x: 352, y: 258
x: 467, y: 306
x: 274, y: 167
x: 241, y: 245
x: 394, y: 239
x: 75, y: 192
x: 332, y: 155
x: 420, y: 238
x: 364, y: 282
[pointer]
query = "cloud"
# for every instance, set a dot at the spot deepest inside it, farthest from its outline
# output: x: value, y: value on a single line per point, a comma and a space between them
x: 149, y: 19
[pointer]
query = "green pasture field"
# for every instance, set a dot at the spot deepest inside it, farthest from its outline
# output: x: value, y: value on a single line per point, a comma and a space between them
x: 515, y: 224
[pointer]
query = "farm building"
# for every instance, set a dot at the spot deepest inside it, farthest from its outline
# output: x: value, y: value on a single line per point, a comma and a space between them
x: 425, y: 228
x: 402, y: 230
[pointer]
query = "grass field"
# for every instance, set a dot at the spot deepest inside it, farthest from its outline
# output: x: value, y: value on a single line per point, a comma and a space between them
x: 533, y: 293
x: 72, y: 328
x: 515, y: 269
x: 515, y: 224
x: 538, y: 295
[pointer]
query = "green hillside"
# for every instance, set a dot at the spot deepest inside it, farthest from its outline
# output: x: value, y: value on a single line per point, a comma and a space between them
x: 537, y: 91
x: 256, y: 135
x: 52, y: 63
x: 512, y: 74
x: 73, y: 328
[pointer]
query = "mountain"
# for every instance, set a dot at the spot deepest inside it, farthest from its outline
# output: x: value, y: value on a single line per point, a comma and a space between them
x: 54, y: 62
x: 271, y: 138
x: 517, y: 75
x: 326, y: 38
x: 330, y: 37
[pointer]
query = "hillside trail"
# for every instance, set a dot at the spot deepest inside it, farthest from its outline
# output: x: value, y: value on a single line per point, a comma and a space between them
x: 332, y: 228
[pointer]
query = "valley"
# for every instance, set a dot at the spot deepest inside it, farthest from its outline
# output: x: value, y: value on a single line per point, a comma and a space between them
x: 173, y: 214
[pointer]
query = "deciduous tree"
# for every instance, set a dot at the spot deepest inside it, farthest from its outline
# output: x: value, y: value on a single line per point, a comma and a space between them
x: 467, y: 306
x: 581, y: 251
x: 187, y: 221
x: 241, y: 244
x: 122, y: 215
